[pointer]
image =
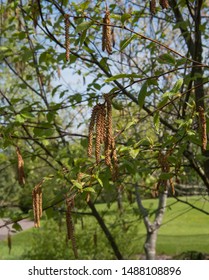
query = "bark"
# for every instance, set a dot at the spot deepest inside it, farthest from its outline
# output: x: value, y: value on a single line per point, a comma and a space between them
x: 152, y: 228
x: 150, y: 245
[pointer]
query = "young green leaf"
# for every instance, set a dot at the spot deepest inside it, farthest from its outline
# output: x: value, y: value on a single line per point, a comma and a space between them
x: 83, y: 26
x: 177, y: 86
x: 126, y: 42
x: 166, y: 59
x: 125, y: 17
x: 142, y: 95
x: 156, y: 120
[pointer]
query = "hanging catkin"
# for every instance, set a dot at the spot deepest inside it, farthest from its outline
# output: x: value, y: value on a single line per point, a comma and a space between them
x: 98, y: 134
x: 37, y: 204
x: 153, y: 7
x: 107, y: 33
x: 67, y: 38
x: 91, y: 130
x: 101, y: 119
x: 203, y: 128
x: 109, y: 137
x: 70, y: 226
x: 165, y: 168
x: 9, y: 241
x: 20, y: 168
x: 164, y: 4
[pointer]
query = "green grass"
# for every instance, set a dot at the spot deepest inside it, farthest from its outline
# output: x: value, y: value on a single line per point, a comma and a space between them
x: 183, y: 229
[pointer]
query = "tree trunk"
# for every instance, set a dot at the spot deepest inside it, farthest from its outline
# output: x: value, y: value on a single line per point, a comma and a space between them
x: 150, y: 245
x: 152, y: 228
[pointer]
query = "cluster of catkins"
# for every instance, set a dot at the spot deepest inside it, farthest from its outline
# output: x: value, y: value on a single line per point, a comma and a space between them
x: 101, y: 126
x: 163, y: 3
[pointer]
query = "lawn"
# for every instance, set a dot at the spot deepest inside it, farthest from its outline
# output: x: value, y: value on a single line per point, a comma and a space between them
x: 183, y: 229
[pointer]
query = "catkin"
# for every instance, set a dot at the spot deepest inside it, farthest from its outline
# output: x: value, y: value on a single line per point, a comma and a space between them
x: 9, y: 242
x: 164, y: 4
x: 165, y: 168
x: 70, y: 226
x: 172, y: 186
x: 107, y: 33
x: 67, y: 38
x: 203, y: 127
x: 153, y: 7
x: 109, y: 137
x: 91, y: 130
x: 37, y: 204
x: 98, y: 135
x: 21, y: 173
x: 104, y: 35
x: 101, y: 119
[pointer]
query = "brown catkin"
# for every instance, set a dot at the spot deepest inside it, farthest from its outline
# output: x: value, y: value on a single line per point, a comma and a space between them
x: 172, y: 186
x: 203, y: 127
x: 91, y: 130
x: 70, y: 226
x: 37, y: 203
x: 104, y: 34
x: 165, y: 168
x: 103, y: 123
x: 9, y: 242
x: 67, y: 38
x: 101, y: 119
x: 98, y: 134
x: 107, y: 33
x: 108, y: 141
x: 153, y: 7
x: 21, y: 173
x: 164, y: 4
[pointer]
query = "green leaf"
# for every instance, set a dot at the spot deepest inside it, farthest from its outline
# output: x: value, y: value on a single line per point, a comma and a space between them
x: 134, y: 152
x: 88, y: 189
x: 84, y: 5
x: 55, y: 89
x: 166, y: 176
x: 83, y: 37
x: 49, y: 212
x: 117, y: 105
x: 83, y: 26
x: 177, y: 86
x: 19, y: 118
x: 163, y: 102
x: 126, y: 42
x: 98, y: 180
x: 125, y: 17
x: 166, y: 59
x: 3, y: 48
x: 115, y: 16
x: 129, y: 124
x: 77, y: 184
x: 142, y: 95
x: 17, y: 227
x: 156, y: 120
x: 27, y: 115
x: 40, y: 132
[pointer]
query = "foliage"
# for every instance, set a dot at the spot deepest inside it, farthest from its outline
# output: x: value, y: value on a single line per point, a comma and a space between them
x: 155, y: 71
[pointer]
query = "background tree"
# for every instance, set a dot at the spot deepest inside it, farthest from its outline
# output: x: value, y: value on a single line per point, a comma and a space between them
x: 146, y: 69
